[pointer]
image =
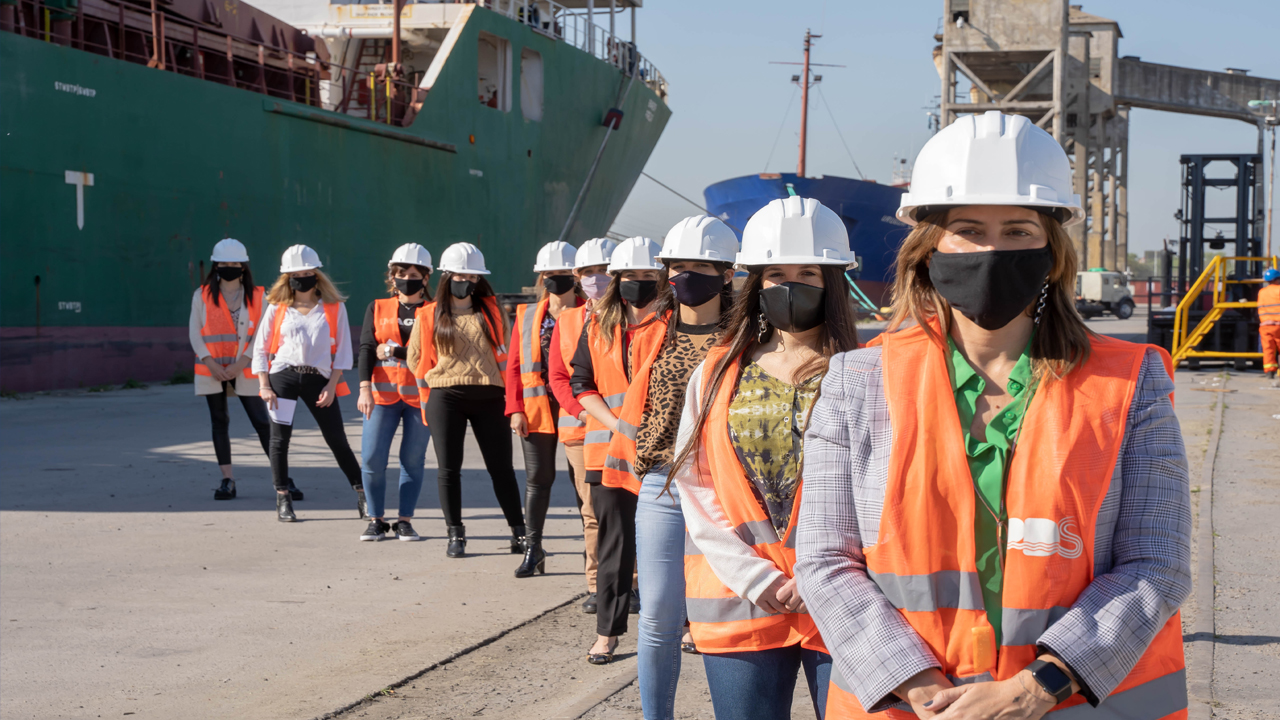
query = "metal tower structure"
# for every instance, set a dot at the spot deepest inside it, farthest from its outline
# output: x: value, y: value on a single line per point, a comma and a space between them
x: 1061, y: 67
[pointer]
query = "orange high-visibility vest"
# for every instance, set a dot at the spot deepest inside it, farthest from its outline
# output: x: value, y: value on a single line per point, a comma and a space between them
x: 924, y: 560
x: 1269, y: 304
x: 612, y: 383
x: 392, y: 381
x: 219, y: 333
x: 719, y: 620
x: 619, y: 469
x: 330, y: 316
x: 425, y: 319
x: 535, y: 393
x: 571, y: 430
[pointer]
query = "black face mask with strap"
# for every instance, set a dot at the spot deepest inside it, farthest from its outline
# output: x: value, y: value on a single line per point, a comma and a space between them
x: 794, y: 306
x: 990, y: 288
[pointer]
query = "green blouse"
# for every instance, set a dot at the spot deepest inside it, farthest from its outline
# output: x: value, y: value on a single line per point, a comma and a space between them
x: 766, y: 423
x: 987, y: 462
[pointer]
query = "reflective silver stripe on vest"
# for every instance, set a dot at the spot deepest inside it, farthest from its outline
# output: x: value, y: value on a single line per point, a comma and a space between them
x: 1024, y: 627
x: 224, y: 361
x: 614, y: 463
x: 390, y: 362
x: 502, y: 366
x: 526, y: 341
x: 718, y: 610
x: 220, y: 338
x: 627, y: 429
x: 539, y: 391
x: 422, y: 382
x: 409, y: 390
x: 791, y: 539
x: 927, y: 593
x: 1151, y: 700
x: 757, y: 532
x: 598, y: 437
x: 569, y: 421
x: 690, y: 547
x: 615, y: 401
x: 385, y: 387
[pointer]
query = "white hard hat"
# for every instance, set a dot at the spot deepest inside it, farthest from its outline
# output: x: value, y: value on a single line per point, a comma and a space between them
x: 411, y: 254
x: 992, y: 159
x: 463, y: 258
x: 595, y: 251
x: 230, y: 250
x: 700, y: 237
x: 298, y: 258
x: 795, y: 231
x: 555, y: 255
x: 637, y: 253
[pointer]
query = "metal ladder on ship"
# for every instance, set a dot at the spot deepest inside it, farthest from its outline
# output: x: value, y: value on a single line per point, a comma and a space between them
x: 1184, y: 342
x: 369, y: 53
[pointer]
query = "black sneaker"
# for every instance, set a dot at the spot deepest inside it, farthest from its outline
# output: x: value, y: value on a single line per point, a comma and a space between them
x: 404, y: 531
x: 635, y: 603
x: 589, y: 605
x: 226, y: 491
x: 375, y: 532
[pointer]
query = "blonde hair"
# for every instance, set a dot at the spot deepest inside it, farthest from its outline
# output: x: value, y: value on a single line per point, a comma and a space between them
x: 282, y: 294
x: 1061, y: 342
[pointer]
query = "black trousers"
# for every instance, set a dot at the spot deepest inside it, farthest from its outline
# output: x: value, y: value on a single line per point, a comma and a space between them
x: 306, y: 388
x: 540, y: 474
x: 449, y: 409
x: 616, y: 556
x: 254, y: 407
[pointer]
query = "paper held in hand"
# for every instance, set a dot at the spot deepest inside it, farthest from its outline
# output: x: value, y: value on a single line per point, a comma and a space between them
x: 283, y: 414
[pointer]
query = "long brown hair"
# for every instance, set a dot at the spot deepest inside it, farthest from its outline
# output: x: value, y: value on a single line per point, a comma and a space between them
x: 282, y: 294
x: 1061, y: 342
x: 743, y: 335
x: 213, y: 283
x: 398, y: 267
x: 444, y: 332
x: 670, y: 304
x: 610, y: 310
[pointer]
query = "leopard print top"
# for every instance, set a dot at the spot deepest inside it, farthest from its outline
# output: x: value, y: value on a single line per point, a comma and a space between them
x: 668, y: 379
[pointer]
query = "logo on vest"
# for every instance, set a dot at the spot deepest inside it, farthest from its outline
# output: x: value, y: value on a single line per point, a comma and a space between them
x: 1042, y: 537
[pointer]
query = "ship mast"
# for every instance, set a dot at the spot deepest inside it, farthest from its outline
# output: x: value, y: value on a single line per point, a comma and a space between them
x: 806, y: 81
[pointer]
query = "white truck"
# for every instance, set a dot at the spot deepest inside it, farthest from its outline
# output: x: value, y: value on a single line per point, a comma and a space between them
x: 1101, y: 291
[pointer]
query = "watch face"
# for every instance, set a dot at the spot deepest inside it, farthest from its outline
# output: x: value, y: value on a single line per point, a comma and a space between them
x: 1053, y: 680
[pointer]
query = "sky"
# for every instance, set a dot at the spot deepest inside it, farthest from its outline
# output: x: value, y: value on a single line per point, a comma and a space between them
x: 728, y: 102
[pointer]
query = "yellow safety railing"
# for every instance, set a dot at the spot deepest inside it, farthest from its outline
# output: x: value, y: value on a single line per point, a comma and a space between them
x: 1214, y: 275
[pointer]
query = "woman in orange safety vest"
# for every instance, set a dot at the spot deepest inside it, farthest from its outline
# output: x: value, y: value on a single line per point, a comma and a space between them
x: 225, y: 312
x: 997, y: 513
x: 738, y: 470
x: 389, y: 393
x: 609, y: 352
x: 299, y: 356
x: 532, y: 409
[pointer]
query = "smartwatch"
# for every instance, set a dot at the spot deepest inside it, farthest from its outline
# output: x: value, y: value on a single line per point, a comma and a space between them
x: 1051, y: 679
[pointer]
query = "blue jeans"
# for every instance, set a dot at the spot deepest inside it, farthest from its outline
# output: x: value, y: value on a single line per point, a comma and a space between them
x: 759, y: 685
x: 375, y: 447
x: 660, y: 564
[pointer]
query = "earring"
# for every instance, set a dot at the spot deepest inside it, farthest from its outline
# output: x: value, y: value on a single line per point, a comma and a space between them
x: 1044, y: 296
x: 764, y: 329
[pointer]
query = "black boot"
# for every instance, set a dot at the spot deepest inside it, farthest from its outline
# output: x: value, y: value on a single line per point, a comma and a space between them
x: 361, y: 507
x: 457, y: 541
x: 535, y: 558
x: 226, y: 491
x: 284, y: 507
x: 294, y: 492
x: 517, y: 539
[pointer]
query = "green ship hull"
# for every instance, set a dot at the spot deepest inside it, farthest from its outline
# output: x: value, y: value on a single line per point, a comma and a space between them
x: 96, y: 280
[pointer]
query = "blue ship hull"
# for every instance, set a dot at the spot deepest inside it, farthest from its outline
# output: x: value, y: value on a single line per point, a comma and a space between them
x: 867, y: 209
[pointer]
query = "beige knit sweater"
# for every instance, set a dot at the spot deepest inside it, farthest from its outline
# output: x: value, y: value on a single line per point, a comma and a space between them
x: 470, y: 363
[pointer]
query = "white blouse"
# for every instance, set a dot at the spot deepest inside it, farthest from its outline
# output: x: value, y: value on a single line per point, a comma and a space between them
x: 304, y: 340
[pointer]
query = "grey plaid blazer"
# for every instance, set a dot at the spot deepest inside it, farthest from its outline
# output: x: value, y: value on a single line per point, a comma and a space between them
x: 1142, y: 562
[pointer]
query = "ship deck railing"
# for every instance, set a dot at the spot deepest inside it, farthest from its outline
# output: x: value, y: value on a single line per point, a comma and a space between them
x: 577, y: 29
x: 169, y: 42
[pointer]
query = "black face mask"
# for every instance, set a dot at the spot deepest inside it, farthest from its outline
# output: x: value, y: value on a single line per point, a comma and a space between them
x: 461, y: 288
x: 793, y: 306
x: 990, y: 288
x: 230, y: 273
x: 695, y: 289
x: 410, y: 286
x: 558, y: 284
x: 639, y: 293
x: 303, y: 284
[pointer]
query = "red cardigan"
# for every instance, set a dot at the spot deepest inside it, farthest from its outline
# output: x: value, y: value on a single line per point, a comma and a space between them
x: 557, y: 374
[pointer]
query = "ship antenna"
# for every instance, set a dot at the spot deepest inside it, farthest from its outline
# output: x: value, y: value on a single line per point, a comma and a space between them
x: 805, y: 80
